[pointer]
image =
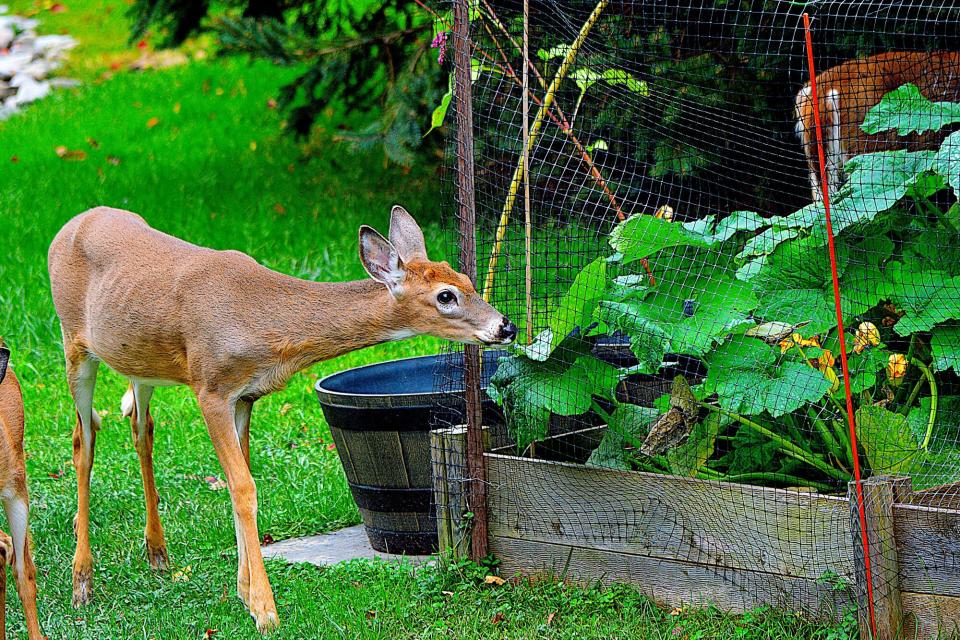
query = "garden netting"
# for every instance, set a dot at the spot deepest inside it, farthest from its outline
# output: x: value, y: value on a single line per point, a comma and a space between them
x: 667, y: 258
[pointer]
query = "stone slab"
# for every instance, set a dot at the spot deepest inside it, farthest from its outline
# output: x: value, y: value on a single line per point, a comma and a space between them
x: 331, y: 548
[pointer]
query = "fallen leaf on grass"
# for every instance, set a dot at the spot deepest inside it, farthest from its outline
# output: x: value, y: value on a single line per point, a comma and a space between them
x: 152, y: 122
x: 497, y: 580
x: 70, y: 154
x: 183, y: 575
x: 550, y: 617
x: 279, y: 208
x: 331, y: 447
x: 209, y: 633
x: 271, y: 103
x: 114, y: 160
x: 56, y: 475
x: 449, y: 594
x: 214, y: 483
x: 14, y: 159
x: 285, y: 409
x: 498, y: 618
x: 371, y: 614
x: 93, y: 143
x: 677, y: 611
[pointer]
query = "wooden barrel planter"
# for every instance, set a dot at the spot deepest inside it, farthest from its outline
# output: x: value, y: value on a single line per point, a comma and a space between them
x: 380, y: 417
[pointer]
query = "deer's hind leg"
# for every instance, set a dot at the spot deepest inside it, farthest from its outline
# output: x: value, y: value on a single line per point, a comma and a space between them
x: 141, y: 424
x: 17, y: 509
x: 82, y: 377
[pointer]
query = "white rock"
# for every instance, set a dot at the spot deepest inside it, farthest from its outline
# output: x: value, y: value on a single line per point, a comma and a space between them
x: 12, y: 63
x: 6, y: 36
x: 40, y: 68
x: 53, y: 46
x: 5, y: 91
x: 8, y: 109
x: 64, y: 83
x: 25, y: 43
x: 30, y: 90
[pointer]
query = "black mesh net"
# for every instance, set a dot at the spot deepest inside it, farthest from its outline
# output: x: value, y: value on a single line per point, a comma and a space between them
x: 675, y: 413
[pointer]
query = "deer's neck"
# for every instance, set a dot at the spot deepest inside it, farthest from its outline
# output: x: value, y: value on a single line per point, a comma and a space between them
x: 323, y: 320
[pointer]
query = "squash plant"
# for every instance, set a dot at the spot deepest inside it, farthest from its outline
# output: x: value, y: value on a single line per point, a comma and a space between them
x: 752, y: 299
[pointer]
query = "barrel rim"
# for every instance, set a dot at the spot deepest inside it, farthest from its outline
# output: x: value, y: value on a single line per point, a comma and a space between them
x: 331, y: 397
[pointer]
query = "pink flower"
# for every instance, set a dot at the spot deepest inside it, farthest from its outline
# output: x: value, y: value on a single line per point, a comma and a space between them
x: 440, y: 42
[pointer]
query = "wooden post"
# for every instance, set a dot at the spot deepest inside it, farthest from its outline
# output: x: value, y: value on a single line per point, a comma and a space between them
x: 477, y: 476
x: 448, y: 455
x: 879, y: 494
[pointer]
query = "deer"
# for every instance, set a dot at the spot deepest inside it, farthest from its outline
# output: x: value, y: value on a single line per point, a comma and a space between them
x: 15, y: 548
x: 161, y: 311
x: 847, y: 92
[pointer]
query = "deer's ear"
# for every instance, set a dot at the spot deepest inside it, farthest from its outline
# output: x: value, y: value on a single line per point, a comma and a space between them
x: 406, y: 235
x: 381, y: 260
x: 4, y: 361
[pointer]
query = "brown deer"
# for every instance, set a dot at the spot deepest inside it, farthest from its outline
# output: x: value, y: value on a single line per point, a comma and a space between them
x: 161, y: 311
x: 846, y: 93
x: 16, y: 503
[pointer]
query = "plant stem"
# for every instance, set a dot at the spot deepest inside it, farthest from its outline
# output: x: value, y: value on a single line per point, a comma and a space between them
x: 600, y: 411
x: 782, y: 478
x: 534, y: 132
x: 934, y: 397
x: 826, y: 435
x: 782, y: 443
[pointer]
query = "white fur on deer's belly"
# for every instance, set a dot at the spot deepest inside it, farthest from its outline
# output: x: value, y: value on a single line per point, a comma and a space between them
x: 152, y: 382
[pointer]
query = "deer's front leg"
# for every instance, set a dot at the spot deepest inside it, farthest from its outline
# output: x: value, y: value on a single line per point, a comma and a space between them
x: 252, y: 583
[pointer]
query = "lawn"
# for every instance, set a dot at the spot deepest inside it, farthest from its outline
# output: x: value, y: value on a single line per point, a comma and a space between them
x: 199, y: 151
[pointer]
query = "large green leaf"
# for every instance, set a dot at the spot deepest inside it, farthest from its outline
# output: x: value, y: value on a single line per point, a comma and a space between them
x: 530, y: 391
x: 928, y: 295
x: 906, y: 110
x: 877, y: 182
x: 574, y: 311
x: 696, y: 302
x: 945, y: 344
x: 948, y: 161
x: 886, y: 438
x: 641, y: 236
x: 628, y: 426
x: 795, y: 285
x: 689, y: 458
x: 747, y: 379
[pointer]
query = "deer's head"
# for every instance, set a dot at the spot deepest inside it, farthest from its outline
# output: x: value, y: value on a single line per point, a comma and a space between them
x: 432, y: 298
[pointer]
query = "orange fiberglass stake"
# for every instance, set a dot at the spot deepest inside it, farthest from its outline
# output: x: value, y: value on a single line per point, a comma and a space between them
x: 836, y: 301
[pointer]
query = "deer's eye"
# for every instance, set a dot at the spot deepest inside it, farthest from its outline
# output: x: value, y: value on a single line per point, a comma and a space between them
x: 446, y: 297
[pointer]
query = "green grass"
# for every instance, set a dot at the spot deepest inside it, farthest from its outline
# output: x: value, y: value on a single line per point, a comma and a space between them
x: 217, y: 170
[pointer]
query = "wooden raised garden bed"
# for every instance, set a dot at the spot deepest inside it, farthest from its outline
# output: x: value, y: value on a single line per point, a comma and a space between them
x: 685, y: 541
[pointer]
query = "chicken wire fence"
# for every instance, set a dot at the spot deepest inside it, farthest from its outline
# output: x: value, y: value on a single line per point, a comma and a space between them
x: 651, y: 213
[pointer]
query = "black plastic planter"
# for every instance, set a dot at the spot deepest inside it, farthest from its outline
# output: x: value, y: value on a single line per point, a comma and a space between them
x: 380, y: 416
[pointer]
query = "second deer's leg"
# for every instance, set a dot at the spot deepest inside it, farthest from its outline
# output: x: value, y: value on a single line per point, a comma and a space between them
x: 82, y: 378
x: 252, y: 584
x: 6, y: 555
x: 17, y: 509
x: 141, y: 424
x: 241, y: 419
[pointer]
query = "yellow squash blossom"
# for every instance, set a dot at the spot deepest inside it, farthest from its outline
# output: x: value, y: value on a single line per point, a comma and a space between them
x: 867, y: 335
x: 896, y: 368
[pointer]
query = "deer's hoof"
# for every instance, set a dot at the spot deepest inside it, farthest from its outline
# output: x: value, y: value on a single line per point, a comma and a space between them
x: 266, y: 621
x: 157, y: 556
x: 82, y: 587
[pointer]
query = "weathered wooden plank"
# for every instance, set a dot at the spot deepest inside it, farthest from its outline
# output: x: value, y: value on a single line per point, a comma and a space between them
x: 928, y: 549
x: 671, y: 583
x: 796, y: 534
x: 875, y: 558
x: 929, y: 617
x: 944, y: 496
x: 448, y: 458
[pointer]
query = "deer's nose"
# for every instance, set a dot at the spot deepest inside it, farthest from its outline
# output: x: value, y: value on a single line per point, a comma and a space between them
x: 508, y: 330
